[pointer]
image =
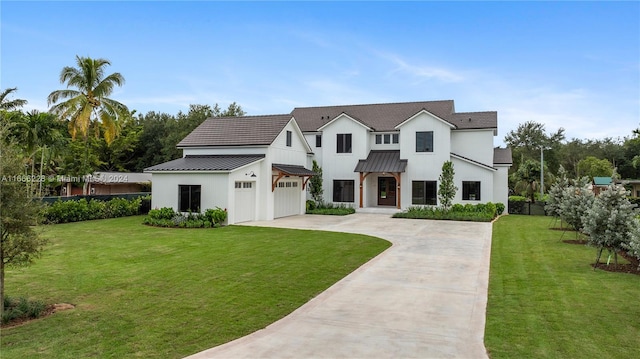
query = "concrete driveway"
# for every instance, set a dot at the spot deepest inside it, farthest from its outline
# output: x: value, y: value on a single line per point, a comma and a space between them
x: 425, y: 297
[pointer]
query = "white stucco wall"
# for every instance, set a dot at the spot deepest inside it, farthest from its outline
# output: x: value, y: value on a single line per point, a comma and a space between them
x: 214, y: 190
x: 501, y: 185
x: 474, y: 144
x: 465, y: 171
x: 340, y: 166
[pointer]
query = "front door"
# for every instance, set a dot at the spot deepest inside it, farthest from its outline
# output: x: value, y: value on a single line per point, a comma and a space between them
x: 386, y: 191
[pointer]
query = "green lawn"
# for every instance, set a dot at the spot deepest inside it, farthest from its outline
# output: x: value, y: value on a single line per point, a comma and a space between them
x: 155, y: 292
x: 545, y: 300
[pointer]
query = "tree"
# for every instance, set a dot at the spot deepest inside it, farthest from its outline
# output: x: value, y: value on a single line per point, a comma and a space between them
x: 594, y: 167
x: 447, y: 189
x: 577, y: 199
x: 528, y: 138
x: 610, y: 220
x: 633, y: 246
x: 20, y: 244
x: 315, y: 183
x: 526, y: 178
x: 556, y: 193
x: 89, y: 103
x: 10, y: 105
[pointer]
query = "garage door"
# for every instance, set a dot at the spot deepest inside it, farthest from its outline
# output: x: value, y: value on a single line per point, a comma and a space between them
x: 245, y: 209
x: 287, y: 198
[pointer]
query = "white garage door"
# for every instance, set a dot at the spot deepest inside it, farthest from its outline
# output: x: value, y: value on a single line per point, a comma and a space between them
x: 287, y: 198
x: 245, y: 209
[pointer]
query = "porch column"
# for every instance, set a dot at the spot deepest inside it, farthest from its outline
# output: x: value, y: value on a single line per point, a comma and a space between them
x: 361, y: 185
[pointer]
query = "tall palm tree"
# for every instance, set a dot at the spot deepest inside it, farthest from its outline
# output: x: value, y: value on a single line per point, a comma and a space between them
x: 87, y: 99
x: 10, y: 105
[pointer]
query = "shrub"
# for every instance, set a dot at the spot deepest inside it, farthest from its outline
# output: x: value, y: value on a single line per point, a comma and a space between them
x: 518, y: 199
x: 216, y: 215
x: 499, y: 208
x: 482, y: 212
x: 167, y: 217
x: 576, y: 201
x: 332, y: 209
x: 162, y: 213
x: 82, y: 210
x: 21, y: 308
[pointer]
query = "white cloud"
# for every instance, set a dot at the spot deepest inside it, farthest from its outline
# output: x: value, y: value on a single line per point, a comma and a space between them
x: 422, y: 72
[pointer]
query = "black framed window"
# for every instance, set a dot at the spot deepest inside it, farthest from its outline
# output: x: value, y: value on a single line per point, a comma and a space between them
x: 288, y: 138
x: 318, y: 140
x: 189, y: 198
x: 395, y: 138
x: 343, y: 190
x: 378, y: 139
x: 424, y: 192
x: 424, y: 141
x: 470, y: 190
x: 344, y: 143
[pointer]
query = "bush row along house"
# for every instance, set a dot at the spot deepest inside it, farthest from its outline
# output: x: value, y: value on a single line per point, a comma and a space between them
x: 376, y: 155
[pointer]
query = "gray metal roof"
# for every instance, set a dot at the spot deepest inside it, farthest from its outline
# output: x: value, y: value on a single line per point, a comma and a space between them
x: 386, y: 116
x: 502, y: 156
x: 293, y: 170
x: 382, y: 161
x: 236, y: 131
x: 206, y: 163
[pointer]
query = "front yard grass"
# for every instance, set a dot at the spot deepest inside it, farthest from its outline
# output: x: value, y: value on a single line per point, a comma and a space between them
x: 142, y: 291
x: 545, y: 300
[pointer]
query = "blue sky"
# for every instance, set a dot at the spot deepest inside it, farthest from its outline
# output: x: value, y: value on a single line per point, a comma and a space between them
x: 574, y: 65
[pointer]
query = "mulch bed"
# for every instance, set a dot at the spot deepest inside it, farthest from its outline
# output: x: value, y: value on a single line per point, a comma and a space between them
x: 575, y: 241
x: 47, y: 312
x: 619, y: 268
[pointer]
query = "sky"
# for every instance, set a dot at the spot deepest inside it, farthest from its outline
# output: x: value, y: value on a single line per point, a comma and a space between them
x: 574, y: 65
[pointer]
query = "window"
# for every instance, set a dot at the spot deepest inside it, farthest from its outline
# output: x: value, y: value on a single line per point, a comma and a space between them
x: 424, y: 141
x: 343, y: 190
x: 318, y: 140
x: 470, y: 191
x: 424, y: 192
x: 288, y: 138
x: 244, y: 185
x: 387, y: 138
x: 344, y: 143
x: 189, y: 198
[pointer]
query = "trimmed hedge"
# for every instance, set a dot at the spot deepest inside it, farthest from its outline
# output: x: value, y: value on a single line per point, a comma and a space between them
x: 329, y: 209
x: 167, y: 217
x: 482, y: 212
x: 83, y: 210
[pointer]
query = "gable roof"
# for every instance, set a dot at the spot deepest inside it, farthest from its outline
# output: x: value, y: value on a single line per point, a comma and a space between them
x: 344, y: 115
x: 236, y: 131
x: 386, y: 116
x: 502, y: 156
x: 222, y: 163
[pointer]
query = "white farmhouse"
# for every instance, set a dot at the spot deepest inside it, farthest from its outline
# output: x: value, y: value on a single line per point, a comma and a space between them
x: 379, y: 155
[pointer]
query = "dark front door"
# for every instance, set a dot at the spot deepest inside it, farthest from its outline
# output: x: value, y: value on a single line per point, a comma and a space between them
x: 386, y: 191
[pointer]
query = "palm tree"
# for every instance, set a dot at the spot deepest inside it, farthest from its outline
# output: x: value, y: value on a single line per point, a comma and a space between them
x: 88, y: 102
x: 13, y: 104
x: 40, y: 131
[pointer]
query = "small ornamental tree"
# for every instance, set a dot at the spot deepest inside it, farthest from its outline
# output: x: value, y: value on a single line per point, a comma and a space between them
x: 610, y: 220
x: 447, y: 189
x: 556, y: 193
x: 576, y: 201
x: 19, y: 241
x: 315, y: 183
x: 633, y: 246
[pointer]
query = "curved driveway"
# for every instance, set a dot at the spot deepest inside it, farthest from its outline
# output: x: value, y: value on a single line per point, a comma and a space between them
x: 424, y: 297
